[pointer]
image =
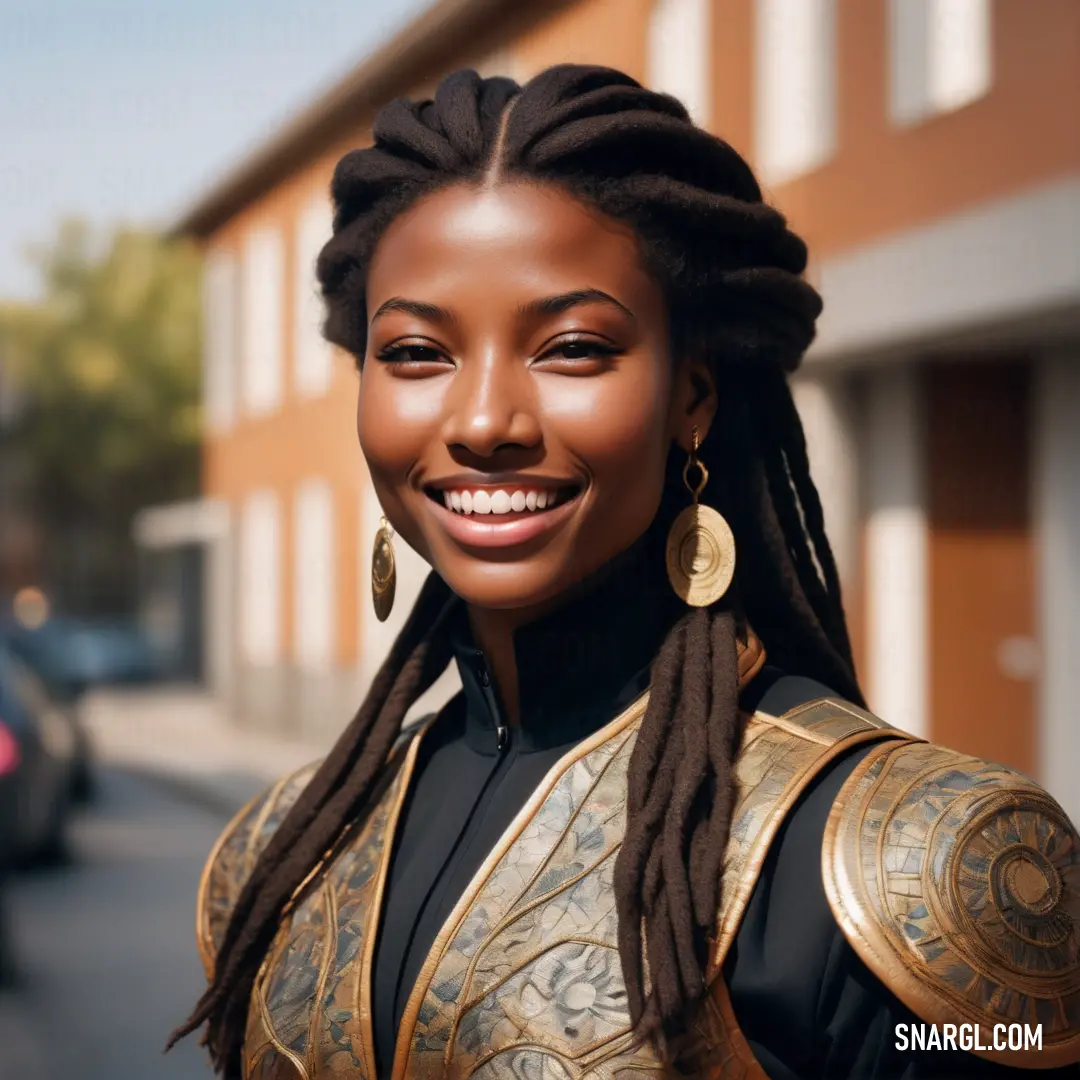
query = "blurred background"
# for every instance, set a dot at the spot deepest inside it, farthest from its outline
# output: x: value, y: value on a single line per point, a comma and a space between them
x: 185, y: 520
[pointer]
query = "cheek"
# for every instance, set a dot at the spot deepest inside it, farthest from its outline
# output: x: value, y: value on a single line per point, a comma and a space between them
x: 616, y: 424
x: 395, y: 420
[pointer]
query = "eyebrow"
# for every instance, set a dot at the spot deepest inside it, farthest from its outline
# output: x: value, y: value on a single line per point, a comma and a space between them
x: 419, y: 308
x: 545, y: 306
x: 556, y: 305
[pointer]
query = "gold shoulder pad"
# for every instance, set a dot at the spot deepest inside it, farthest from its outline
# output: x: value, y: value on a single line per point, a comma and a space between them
x: 957, y: 882
x: 233, y: 856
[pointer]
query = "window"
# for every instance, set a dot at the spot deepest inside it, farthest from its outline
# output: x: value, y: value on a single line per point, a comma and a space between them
x: 260, y: 579
x: 313, y: 354
x: 219, y: 340
x: 678, y: 54
x: 313, y: 577
x: 263, y: 278
x: 794, y: 86
x: 940, y: 56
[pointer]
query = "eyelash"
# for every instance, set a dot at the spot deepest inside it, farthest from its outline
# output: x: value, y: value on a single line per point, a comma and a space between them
x: 397, y: 354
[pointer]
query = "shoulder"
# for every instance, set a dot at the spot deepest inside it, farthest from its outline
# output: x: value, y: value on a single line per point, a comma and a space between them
x: 233, y: 856
x: 957, y: 882
x: 245, y: 838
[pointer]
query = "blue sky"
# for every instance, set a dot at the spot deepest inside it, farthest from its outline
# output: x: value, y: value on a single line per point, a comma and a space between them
x: 119, y: 110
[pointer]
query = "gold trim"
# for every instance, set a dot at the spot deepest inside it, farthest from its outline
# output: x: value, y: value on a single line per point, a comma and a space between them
x: 375, y: 907
x: 793, y: 729
x: 202, y: 928
x: 260, y: 821
x: 632, y: 713
x: 329, y: 954
x: 740, y: 1064
x: 751, y: 658
x: 275, y: 1039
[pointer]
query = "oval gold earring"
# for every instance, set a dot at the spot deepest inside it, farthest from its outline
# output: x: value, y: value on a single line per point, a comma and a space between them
x: 383, y: 572
x: 700, y: 545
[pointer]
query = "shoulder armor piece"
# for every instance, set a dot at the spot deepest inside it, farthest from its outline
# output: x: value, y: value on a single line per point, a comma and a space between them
x: 233, y: 857
x: 778, y: 758
x: 957, y: 882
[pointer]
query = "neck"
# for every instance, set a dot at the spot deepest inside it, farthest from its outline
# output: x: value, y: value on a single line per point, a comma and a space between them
x: 493, y: 630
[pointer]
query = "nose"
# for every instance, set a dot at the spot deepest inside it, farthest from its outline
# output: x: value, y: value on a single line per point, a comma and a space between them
x: 492, y: 405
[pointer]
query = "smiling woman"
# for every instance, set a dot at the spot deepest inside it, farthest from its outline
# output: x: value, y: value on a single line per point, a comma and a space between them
x: 630, y: 846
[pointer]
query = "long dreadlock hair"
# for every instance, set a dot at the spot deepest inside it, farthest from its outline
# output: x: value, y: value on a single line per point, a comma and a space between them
x: 731, y: 271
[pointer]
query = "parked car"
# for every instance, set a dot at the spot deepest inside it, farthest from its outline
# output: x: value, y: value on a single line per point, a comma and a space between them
x: 10, y: 762
x: 72, y: 655
x: 41, y: 770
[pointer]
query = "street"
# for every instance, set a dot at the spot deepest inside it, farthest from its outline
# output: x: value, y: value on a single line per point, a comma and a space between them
x: 106, y: 943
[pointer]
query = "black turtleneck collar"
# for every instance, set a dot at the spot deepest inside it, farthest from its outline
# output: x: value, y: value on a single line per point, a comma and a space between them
x: 581, y: 664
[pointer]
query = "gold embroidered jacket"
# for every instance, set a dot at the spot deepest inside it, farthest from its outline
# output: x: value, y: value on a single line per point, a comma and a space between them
x: 956, y: 881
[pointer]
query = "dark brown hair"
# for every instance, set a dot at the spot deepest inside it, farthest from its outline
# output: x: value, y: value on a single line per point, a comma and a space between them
x: 731, y: 272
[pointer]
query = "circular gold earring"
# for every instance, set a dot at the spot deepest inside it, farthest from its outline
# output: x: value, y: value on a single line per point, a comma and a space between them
x: 383, y: 572
x: 700, y: 545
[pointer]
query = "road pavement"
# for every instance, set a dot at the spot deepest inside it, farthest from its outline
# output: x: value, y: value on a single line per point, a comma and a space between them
x: 106, y: 942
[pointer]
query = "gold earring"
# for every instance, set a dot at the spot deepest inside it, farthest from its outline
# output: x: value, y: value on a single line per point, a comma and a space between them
x: 700, y: 545
x: 383, y: 572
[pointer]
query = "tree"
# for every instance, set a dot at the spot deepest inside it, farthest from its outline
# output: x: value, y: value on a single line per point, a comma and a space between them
x: 108, y: 367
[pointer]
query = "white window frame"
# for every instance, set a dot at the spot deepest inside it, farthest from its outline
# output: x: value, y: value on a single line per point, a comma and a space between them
x: 262, y: 296
x: 678, y: 58
x: 312, y: 353
x: 940, y: 57
x: 260, y: 573
x: 795, y: 91
x: 314, y: 593
x: 219, y: 304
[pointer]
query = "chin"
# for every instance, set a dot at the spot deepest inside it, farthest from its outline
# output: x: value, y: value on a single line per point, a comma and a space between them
x: 507, y: 587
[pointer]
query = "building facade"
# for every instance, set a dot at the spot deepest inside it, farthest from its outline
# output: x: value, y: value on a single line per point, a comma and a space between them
x: 928, y: 151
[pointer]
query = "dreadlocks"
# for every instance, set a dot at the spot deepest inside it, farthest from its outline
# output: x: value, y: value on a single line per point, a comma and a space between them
x: 730, y: 269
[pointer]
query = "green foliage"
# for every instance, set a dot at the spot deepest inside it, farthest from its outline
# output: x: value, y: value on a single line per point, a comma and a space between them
x: 108, y: 365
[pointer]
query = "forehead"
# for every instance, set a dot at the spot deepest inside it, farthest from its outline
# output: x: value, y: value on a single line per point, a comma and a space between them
x: 513, y: 235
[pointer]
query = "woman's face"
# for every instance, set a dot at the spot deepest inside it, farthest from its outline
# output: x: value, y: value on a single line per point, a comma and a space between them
x: 518, y: 401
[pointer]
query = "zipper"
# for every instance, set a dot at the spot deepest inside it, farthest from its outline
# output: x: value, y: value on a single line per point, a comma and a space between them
x: 502, y: 731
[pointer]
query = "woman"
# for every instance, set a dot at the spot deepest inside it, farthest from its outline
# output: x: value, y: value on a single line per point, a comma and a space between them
x: 632, y: 844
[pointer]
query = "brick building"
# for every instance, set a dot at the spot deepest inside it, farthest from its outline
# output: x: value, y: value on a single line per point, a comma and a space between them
x: 928, y: 150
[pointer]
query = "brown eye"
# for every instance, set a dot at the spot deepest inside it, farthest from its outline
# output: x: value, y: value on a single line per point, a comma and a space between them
x: 410, y: 354
x: 578, y: 350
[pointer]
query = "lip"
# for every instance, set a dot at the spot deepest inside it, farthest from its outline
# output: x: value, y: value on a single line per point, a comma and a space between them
x: 497, y: 481
x: 492, y: 530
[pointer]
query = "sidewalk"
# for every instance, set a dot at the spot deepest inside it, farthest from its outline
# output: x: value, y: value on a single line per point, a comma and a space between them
x: 182, y: 738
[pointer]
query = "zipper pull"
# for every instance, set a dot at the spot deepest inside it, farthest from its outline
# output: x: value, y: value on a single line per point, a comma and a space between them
x: 503, y: 734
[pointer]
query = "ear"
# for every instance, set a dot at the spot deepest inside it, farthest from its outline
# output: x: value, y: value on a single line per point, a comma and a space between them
x: 693, y: 402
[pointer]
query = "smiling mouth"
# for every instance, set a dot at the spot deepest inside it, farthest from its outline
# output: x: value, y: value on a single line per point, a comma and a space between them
x: 502, y: 504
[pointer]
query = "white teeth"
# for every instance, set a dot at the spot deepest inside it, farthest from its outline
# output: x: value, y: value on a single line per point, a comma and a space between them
x: 498, y: 502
